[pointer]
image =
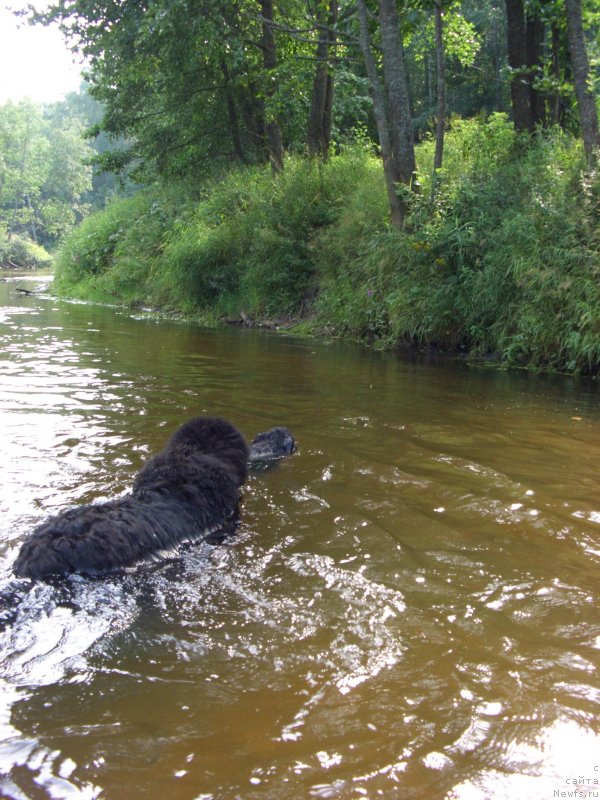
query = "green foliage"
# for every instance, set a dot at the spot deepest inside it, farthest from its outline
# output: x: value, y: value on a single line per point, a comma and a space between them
x: 503, y: 260
x: 113, y: 252
x: 475, y: 45
x: 251, y: 245
x: 23, y: 253
x: 184, y: 82
x: 43, y: 174
x: 85, y: 112
x: 461, y: 39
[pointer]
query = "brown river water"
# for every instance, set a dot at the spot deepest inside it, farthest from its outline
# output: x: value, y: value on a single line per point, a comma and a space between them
x: 410, y: 607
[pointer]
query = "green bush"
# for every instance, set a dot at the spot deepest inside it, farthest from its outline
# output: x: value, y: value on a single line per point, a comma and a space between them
x: 22, y: 253
x: 113, y: 253
x: 252, y: 244
x: 500, y: 254
x: 503, y: 258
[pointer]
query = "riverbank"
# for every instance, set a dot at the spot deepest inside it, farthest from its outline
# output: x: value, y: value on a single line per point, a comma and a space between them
x: 19, y: 253
x: 501, y: 262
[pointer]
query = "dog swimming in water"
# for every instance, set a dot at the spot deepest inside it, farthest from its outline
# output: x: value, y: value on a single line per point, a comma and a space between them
x: 187, y: 492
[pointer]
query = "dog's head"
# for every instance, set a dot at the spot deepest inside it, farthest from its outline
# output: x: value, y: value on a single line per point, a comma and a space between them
x: 212, y: 436
x: 271, y: 444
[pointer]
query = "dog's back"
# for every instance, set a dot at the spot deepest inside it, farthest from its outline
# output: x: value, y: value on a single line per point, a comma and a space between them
x: 188, y: 490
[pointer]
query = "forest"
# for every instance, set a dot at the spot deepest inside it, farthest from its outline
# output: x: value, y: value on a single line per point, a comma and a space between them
x: 408, y: 174
x: 47, y: 181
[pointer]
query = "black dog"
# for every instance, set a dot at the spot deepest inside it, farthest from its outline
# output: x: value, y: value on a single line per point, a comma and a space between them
x: 269, y: 446
x: 186, y: 492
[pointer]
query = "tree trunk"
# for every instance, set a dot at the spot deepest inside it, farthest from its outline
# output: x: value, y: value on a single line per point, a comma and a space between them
x: 588, y: 114
x: 252, y: 109
x: 429, y: 75
x: 397, y: 207
x: 328, y: 110
x: 321, y: 107
x: 396, y: 86
x: 555, y: 105
x: 534, y: 39
x: 234, y: 124
x: 525, y: 33
x: 441, y: 87
x: 274, y: 137
x: 517, y: 61
x: 31, y: 218
x: 496, y: 55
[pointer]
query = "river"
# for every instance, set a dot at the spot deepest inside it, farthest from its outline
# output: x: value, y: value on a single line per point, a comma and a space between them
x: 409, y: 609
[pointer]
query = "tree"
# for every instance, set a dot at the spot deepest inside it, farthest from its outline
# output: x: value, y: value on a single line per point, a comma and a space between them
x: 463, y: 61
x: 274, y: 138
x: 390, y: 105
x: 80, y: 108
x: 43, y: 172
x: 441, y: 86
x: 60, y: 201
x: 397, y: 95
x: 586, y: 102
x: 519, y: 61
x: 539, y: 62
x: 321, y: 107
x: 191, y: 84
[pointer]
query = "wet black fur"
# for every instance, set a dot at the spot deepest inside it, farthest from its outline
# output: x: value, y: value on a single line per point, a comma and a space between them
x: 270, y: 445
x: 187, y: 491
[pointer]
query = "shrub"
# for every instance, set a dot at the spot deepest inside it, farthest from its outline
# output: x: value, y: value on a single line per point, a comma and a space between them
x: 252, y: 243
x: 113, y: 252
x: 502, y: 256
x: 22, y: 253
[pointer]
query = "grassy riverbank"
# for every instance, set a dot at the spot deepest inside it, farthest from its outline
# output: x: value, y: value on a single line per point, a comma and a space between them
x: 504, y: 262
x: 19, y: 253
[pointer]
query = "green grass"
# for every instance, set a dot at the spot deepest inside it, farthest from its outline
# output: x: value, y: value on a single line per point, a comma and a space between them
x: 503, y: 259
x: 22, y: 253
x: 113, y: 253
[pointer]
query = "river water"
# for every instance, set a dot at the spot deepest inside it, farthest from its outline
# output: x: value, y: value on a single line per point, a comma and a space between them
x: 408, y: 610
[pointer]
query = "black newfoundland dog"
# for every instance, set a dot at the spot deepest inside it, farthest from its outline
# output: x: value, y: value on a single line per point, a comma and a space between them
x: 187, y: 492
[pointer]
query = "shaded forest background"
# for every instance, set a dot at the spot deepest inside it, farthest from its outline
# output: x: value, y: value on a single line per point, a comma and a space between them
x: 414, y: 174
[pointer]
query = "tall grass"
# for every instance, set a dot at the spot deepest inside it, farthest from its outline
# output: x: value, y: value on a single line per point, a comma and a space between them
x: 249, y: 247
x: 502, y: 258
x: 113, y: 254
x: 20, y: 252
x: 505, y: 260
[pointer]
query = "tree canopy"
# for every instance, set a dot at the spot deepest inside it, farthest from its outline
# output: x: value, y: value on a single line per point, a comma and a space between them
x: 193, y: 83
x: 44, y: 171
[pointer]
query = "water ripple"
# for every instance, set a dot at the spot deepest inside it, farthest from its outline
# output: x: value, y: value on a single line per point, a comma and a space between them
x: 409, y: 607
